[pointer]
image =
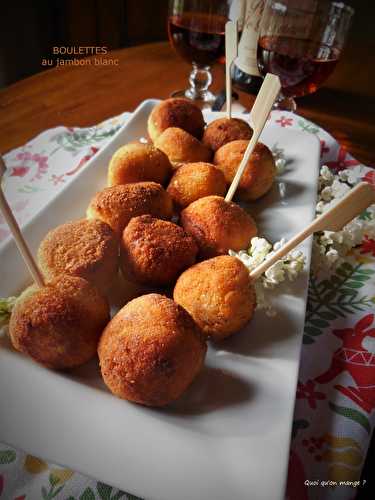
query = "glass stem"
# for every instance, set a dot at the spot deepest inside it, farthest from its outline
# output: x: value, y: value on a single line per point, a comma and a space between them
x: 200, y: 79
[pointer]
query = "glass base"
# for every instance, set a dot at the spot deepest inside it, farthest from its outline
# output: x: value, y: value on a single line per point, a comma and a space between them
x: 284, y: 103
x: 200, y: 79
x: 206, y: 97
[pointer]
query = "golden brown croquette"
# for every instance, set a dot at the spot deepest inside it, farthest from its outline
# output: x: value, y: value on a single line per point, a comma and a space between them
x: 137, y: 162
x: 59, y: 324
x: 181, y: 147
x: 218, y: 294
x: 85, y: 248
x: 116, y: 205
x: 175, y: 112
x: 224, y: 130
x: 195, y: 180
x: 259, y: 173
x: 218, y: 226
x: 151, y: 351
x: 155, y: 251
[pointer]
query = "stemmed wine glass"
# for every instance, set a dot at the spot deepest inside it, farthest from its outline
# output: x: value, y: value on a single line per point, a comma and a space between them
x: 196, y: 30
x: 301, y: 42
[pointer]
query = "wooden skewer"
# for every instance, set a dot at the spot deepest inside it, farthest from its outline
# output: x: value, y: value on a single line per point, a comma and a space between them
x: 17, y: 235
x: 259, y: 114
x: 231, y: 51
x: 348, y: 207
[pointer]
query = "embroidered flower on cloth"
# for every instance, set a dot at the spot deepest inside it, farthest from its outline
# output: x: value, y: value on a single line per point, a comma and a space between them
x: 307, y: 391
x: 284, y: 121
x: 342, y: 161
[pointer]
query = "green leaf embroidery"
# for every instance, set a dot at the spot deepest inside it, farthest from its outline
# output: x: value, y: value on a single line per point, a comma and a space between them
x: 366, y: 271
x: 53, y: 480
x: 366, y: 215
x: 120, y: 494
x: 55, y: 493
x: 320, y: 323
x: 347, y: 267
x: 336, y: 311
x: 7, y: 456
x: 361, y: 277
x: 307, y: 340
x: 326, y: 315
x: 341, y: 272
x: 355, y: 284
x: 336, y: 298
x: 308, y: 127
x: 88, y: 494
x: 312, y: 330
x: 355, y: 415
x: 347, y: 291
x: 104, y: 491
x: 297, y: 425
x: 325, y: 284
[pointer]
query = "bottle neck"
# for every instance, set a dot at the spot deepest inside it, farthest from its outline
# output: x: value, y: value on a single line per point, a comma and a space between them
x: 247, y: 48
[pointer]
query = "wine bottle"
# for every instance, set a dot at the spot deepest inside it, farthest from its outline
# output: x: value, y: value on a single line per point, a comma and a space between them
x: 245, y: 74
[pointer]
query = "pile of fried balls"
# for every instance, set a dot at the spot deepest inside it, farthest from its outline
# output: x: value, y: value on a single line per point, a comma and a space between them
x: 153, y: 348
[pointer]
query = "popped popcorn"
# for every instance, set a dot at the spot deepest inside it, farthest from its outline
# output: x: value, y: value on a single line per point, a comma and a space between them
x: 288, y: 267
x: 329, y: 248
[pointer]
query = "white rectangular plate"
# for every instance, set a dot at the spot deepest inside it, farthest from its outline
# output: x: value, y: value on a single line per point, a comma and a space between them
x: 228, y: 436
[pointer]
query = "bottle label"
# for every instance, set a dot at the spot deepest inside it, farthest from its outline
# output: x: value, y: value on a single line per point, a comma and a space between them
x: 247, y: 48
x: 292, y: 20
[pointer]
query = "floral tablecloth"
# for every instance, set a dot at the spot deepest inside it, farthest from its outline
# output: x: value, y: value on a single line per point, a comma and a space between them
x: 335, y: 398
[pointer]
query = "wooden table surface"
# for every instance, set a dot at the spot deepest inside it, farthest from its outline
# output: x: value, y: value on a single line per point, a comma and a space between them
x: 86, y: 95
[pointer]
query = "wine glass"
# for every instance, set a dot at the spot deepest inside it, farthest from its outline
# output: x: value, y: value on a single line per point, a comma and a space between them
x: 301, y: 42
x: 196, y: 30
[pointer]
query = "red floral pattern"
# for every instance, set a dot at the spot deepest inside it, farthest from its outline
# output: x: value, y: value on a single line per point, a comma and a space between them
x: 323, y: 148
x: 342, y: 162
x: 19, y: 171
x: 284, y: 121
x: 370, y: 177
x: 83, y: 160
x: 354, y: 358
x: 306, y: 391
x: 368, y: 246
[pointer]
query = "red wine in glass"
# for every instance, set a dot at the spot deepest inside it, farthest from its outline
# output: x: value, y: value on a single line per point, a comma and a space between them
x: 301, y: 65
x: 198, y: 37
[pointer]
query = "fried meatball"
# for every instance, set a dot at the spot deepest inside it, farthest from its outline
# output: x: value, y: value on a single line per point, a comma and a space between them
x: 218, y: 226
x: 85, y: 248
x: 181, y: 147
x: 151, y: 351
x: 259, y: 173
x: 224, y: 130
x: 59, y: 324
x: 138, y: 162
x: 195, y: 180
x: 116, y: 205
x: 218, y: 294
x: 175, y: 112
x: 155, y: 251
